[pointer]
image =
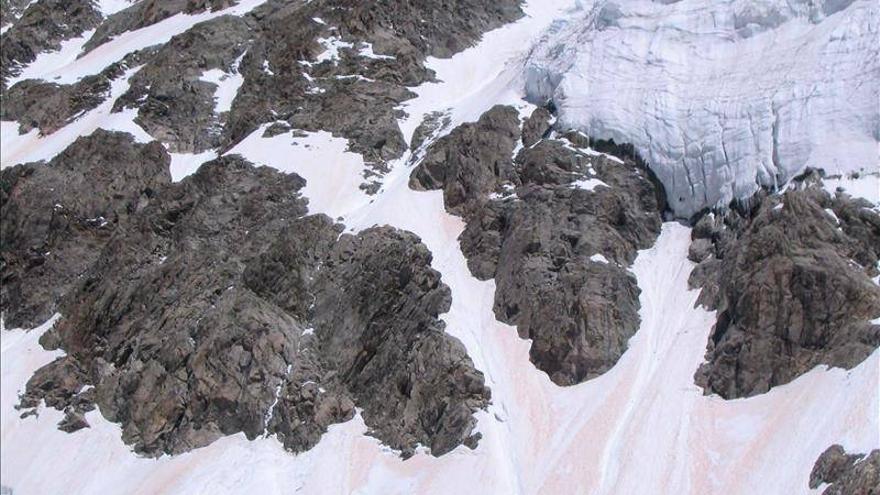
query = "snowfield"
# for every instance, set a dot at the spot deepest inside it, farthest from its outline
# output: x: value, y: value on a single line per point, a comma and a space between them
x: 643, y: 427
x: 720, y: 96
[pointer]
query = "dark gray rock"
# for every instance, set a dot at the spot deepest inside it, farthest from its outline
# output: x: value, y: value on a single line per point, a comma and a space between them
x: 847, y: 474
x: 534, y: 231
x: 376, y: 318
x: 57, y: 217
x: 792, y: 289
x: 174, y: 104
x: 472, y: 161
x: 48, y: 106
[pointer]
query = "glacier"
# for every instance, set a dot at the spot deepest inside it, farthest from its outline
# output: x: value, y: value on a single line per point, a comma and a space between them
x: 719, y: 97
x: 644, y: 427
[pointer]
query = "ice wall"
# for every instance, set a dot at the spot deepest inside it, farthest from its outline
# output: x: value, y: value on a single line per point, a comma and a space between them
x: 720, y: 96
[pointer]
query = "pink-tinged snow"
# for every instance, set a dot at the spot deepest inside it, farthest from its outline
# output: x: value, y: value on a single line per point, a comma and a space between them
x: 64, y: 67
x: 30, y: 147
x: 228, y: 84
x: 643, y: 427
x: 333, y: 174
x: 866, y: 186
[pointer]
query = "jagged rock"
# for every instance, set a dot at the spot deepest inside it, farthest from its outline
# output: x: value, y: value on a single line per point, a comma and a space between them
x: 12, y: 11
x: 847, y: 474
x: 792, y: 289
x: 197, y: 319
x: 536, y: 126
x: 146, y: 12
x: 73, y: 421
x: 48, y: 106
x: 42, y: 27
x: 700, y: 249
x: 432, y: 123
x: 536, y: 231
x: 377, y: 302
x: 174, y: 104
x: 58, y: 216
x: 472, y: 160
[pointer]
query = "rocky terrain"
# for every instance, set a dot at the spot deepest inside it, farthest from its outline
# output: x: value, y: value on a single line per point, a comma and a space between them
x: 709, y: 93
x: 555, y: 224
x: 214, y: 306
x: 790, y: 276
x: 312, y: 246
x: 845, y: 473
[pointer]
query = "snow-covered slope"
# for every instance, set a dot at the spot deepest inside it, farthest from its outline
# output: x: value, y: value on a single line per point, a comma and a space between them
x: 720, y: 96
x: 643, y: 427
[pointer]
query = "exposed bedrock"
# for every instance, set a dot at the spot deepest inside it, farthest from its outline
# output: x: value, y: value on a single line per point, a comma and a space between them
x: 790, y: 276
x: 340, y: 66
x: 146, y: 12
x: 555, y: 226
x: 846, y: 474
x: 49, y: 106
x: 214, y: 306
x: 57, y: 216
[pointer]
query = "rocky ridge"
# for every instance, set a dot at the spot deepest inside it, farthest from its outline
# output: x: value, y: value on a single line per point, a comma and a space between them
x: 791, y: 278
x: 555, y: 223
x: 846, y: 474
x: 216, y: 305
x: 336, y: 65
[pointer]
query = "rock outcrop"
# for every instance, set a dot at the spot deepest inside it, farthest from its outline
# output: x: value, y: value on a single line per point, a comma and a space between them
x: 790, y: 276
x: 846, y: 474
x: 58, y: 216
x: 215, y: 306
x: 555, y: 226
x: 42, y: 26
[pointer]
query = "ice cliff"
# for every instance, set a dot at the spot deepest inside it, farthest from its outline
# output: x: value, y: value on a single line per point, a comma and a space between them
x: 720, y: 97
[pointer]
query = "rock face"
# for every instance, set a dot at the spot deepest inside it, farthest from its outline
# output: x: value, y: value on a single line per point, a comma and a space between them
x: 214, y: 306
x: 346, y: 72
x: 58, y: 216
x: 742, y: 113
x: 146, y: 12
x: 790, y: 277
x: 555, y: 226
x: 847, y: 474
x: 48, y: 106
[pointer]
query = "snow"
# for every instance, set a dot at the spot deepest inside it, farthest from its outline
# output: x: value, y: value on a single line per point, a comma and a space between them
x: 48, y: 62
x: 866, y: 186
x: 184, y: 164
x: 643, y: 427
x: 331, y: 49
x: 64, y: 67
x: 588, y: 184
x: 720, y: 96
x: 366, y: 50
x: 110, y: 7
x: 598, y: 258
x: 228, y: 84
x: 30, y: 147
x: 333, y: 174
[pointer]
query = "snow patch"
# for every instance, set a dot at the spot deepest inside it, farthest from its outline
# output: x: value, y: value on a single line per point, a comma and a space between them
x: 228, y: 84
x: 333, y: 174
